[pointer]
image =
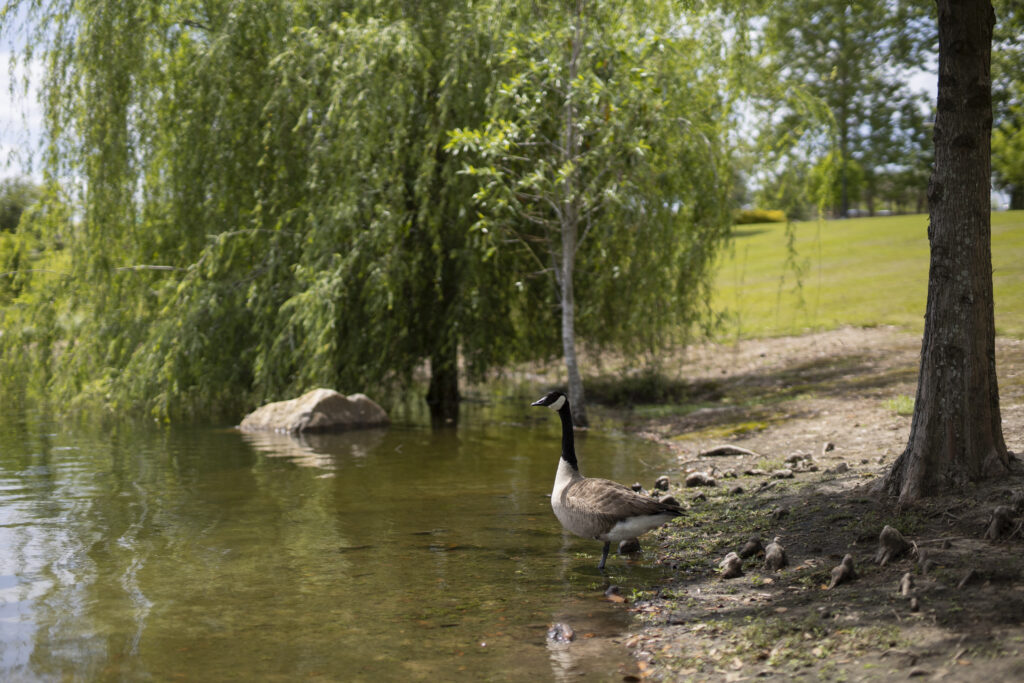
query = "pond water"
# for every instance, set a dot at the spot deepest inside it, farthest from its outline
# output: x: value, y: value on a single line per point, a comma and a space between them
x: 139, y: 553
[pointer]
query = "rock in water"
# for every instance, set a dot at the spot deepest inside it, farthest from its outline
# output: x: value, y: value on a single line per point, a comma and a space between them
x: 320, y: 410
x: 561, y: 633
x: 629, y: 546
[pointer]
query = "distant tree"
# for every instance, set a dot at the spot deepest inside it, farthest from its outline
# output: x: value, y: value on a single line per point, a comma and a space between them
x: 856, y: 59
x: 956, y: 432
x: 603, y: 166
x: 1008, y: 101
x: 16, y: 195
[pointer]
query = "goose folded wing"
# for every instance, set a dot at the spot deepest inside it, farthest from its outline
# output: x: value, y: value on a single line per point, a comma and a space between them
x: 601, y: 497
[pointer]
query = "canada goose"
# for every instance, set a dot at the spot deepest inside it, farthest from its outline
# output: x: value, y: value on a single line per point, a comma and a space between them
x: 598, y: 508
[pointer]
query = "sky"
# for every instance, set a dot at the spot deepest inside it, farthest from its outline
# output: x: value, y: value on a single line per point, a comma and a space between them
x: 21, y: 117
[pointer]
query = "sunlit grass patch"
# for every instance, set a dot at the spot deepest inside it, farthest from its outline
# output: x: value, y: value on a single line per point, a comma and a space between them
x: 901, y: 405
x: 861, y: 271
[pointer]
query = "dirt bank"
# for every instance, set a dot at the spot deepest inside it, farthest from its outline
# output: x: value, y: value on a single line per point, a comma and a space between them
x: 833, y: 410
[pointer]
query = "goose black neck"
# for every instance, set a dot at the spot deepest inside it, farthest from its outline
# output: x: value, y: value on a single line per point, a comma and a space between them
x: 568, y: 448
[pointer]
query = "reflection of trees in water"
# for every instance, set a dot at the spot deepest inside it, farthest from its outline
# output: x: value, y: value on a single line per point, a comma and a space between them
x: 323, y: 451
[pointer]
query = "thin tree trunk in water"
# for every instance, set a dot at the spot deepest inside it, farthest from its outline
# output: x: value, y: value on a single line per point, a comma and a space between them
x: 570, y: 231
x: 956, y: 433
x: 443, y: 393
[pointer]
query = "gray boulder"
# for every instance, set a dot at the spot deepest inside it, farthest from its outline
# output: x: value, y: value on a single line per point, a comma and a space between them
x: 320, y: 410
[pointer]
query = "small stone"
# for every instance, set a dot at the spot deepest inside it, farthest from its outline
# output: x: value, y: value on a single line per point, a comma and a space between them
x: 829, y: 446
x: 736, y: 490
x: 700, y: 479
x: 614, y: 594
x: 669, y: 500
x: 914, y: 605
x: 782, y: 474
x: 751, y: 548
x: 732, y: 566
x: 841, y: 468
x: 637, y: 487
x: 629, y: 546
x: 778, y: 513
x: 661, y: 483
x: 700, y: 496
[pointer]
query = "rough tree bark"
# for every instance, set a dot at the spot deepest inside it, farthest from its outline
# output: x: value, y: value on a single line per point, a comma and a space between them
x: 956, y: 432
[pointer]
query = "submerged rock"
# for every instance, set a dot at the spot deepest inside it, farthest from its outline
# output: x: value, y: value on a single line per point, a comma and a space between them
x: 320, y: 410
x: 561, y: 633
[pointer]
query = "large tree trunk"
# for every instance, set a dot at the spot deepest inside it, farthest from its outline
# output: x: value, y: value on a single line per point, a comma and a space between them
x: 956, y: 433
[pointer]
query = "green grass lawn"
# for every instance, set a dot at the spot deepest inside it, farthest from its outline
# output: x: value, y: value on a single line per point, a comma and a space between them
x: 861, y: 271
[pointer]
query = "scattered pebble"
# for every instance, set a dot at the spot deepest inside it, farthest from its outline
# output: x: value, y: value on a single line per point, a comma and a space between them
x: 661, y: 483
x: 751, y: 548
x: 614, y: 594
x: 782, y: 474
x: 700, y: 479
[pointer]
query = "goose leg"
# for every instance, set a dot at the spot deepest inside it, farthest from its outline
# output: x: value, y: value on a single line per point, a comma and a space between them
x: 604, y: 554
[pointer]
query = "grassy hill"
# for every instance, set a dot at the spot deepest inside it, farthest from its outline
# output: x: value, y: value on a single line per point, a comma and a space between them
x: 861, y: 271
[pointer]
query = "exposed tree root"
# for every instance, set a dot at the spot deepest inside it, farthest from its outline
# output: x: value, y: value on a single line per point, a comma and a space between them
x: 1000, y: 522
x: 843, y: 573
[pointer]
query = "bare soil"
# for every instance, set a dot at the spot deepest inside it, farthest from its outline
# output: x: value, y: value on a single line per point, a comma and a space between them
x: 832, y: 409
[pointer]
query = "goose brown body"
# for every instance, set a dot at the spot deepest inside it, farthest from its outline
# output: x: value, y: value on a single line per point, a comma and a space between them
x: 600, y: 509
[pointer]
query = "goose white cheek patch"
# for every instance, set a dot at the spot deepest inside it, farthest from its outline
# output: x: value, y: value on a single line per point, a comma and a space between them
x: 557, y: 405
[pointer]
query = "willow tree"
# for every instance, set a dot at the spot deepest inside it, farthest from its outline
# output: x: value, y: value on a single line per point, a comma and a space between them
x: 602, y: 164
x: 265, y: 204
